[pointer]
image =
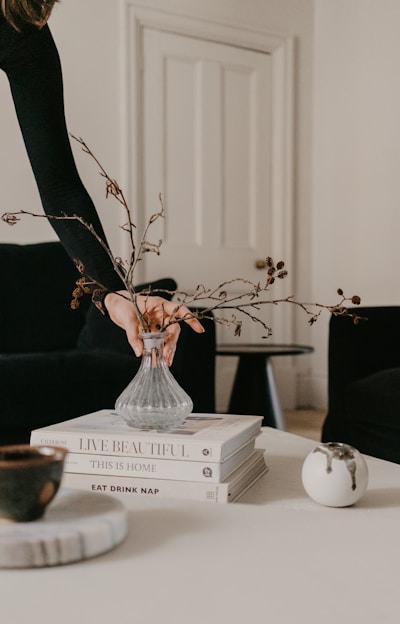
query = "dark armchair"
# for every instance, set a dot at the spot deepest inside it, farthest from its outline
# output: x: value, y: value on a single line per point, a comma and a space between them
x: 364, y: 382
x: 57, y: 363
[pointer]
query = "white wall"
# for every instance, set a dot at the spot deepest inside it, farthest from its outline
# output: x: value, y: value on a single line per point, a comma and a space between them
x: 87, y: 37
x: 356, y: 189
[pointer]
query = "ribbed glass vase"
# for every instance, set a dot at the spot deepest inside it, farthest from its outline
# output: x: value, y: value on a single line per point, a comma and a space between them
x: 154, y: 399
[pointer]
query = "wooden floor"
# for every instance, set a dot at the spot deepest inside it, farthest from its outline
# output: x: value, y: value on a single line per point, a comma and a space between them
x: 307, y: 423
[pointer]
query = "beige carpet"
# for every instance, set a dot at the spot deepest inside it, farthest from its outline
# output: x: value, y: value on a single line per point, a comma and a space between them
x: 304, y: 422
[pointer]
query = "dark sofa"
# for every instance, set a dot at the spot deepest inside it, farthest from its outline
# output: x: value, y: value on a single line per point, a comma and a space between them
x: 364, y: 382
x: 57, y: 363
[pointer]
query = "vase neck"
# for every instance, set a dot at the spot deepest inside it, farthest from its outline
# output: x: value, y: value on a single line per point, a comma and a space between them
x: 153, y: 344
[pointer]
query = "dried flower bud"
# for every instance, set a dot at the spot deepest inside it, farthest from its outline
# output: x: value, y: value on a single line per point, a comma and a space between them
x: 80, y: 266
x: 112, y: 188
x: 99, y: 307
x: 269, y: 261
x: 282, y: 274
x: 356, y: 300
x: 238, y: 328
x: 280, y: 265
x: 76, y: 295
x: 340, y: 292
x: 116, y: 186
x: 9, y: 218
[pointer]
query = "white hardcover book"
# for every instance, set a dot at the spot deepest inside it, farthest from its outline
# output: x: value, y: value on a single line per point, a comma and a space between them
x: 157, y: 468
x: 211, y: 436
x: 128, y: 489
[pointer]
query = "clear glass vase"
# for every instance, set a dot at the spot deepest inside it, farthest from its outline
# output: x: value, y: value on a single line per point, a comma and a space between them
x: 154, y: 399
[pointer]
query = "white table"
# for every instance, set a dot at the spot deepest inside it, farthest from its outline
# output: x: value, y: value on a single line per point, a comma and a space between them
x: 275, y: 557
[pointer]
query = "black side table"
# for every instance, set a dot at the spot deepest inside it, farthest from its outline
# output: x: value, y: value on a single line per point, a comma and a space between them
x: 254, y: 389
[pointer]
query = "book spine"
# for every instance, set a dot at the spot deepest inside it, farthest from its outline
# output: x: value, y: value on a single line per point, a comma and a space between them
x: 126, y: 445
x: 156, y: 468
x: 128, y: 489
x: 97, y: 443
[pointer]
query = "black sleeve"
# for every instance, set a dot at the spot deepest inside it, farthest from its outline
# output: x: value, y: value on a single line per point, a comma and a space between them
x: 31, y: 62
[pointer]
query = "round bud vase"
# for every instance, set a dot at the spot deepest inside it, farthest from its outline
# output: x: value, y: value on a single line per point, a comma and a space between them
x: 154, y: 399
x: 335, y: 474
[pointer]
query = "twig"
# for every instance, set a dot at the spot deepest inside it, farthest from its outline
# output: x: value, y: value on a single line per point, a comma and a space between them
x: 213, y: 300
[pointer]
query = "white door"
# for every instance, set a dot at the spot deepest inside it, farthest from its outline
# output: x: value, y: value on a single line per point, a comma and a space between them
x: 206, y: 145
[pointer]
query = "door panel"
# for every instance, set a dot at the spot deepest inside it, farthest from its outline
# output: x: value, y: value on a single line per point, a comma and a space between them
x: 207, y: 144
x: 206, y: 147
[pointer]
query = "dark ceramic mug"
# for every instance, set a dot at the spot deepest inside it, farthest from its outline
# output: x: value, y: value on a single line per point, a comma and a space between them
x: 29, y: 479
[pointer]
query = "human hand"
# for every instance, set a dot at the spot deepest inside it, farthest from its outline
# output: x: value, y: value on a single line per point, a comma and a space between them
x: 158, y: 311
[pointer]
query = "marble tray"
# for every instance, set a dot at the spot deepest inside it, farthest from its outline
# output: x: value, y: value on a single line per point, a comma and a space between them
x: 77, y: 525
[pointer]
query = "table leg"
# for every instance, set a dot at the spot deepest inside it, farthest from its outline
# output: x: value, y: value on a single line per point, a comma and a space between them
x: 274, y: 397
x: 254, y: 391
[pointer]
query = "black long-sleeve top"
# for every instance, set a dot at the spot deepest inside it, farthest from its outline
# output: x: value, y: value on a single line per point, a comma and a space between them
x: 31, y: 62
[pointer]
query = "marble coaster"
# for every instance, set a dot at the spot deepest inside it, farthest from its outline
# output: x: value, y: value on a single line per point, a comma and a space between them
x: 76, y: 526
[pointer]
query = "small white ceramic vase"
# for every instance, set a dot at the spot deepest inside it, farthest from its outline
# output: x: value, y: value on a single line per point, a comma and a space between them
x: 335, y: 474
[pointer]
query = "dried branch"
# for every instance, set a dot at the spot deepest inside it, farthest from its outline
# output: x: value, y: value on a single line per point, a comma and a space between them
x: 248, y: 303
x: 248, y: 309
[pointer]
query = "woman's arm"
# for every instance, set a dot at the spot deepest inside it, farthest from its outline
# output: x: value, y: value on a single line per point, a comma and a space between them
x: 31, y: 62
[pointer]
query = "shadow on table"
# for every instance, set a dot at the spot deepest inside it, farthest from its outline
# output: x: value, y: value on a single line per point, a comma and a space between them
x: 149, y: 529
x: 282, y: 481
x: 380, y: 498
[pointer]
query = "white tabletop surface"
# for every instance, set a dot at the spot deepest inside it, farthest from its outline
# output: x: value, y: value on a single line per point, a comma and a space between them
x: 275, y: 557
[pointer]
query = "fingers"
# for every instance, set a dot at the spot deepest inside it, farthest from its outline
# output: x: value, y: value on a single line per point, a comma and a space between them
x: 195, y: 325
x: 170, y: 308
x: 132, y: 334
x: 173, y: 332
x: 122, y: 313
x: 158, y: 310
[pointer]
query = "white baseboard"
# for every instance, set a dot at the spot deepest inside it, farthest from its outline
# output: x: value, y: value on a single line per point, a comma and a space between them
x: 312, y: 392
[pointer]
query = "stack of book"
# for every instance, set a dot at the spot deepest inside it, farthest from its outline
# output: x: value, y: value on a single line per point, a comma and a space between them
x: 210, y: 457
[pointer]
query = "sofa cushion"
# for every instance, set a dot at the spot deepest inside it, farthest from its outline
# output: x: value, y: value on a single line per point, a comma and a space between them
x: 370, y: 417
x: 375, y: 399
x: 59, y: 385
x: 36, y: 282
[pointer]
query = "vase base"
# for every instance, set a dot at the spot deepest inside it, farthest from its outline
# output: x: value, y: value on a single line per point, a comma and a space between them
x: 153, y: 421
